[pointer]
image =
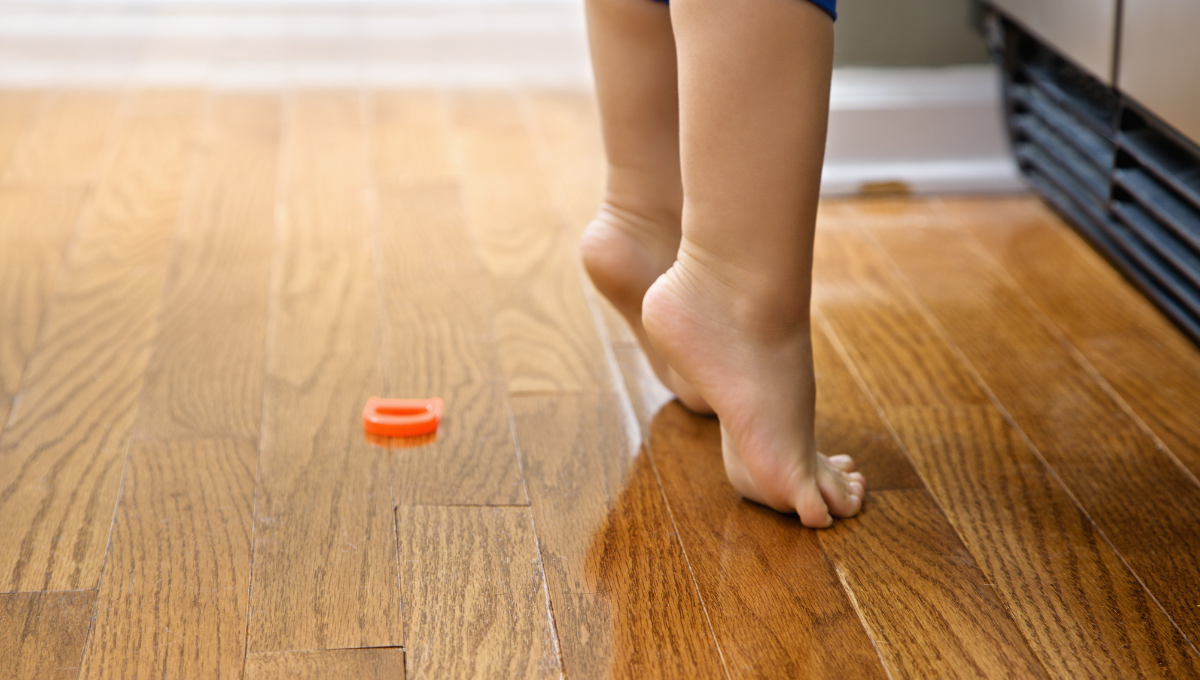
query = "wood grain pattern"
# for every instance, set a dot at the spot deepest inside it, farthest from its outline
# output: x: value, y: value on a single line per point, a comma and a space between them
x: 1082, y: 611
x: 42, y: 634
x: 1136, y: 494
x: 18, y: 113
x: 998, y: 496
x: 1141, y: 355
x: 62, y: 451
x: 412, y: 138
x: 898, y: 355
x: 173, y: 599
x: 205, y: 379
x: 325, y: 573
x: 544, y: 326
x: 847, y: 422
x: 927, y: 607
x: 624, y: 602
x: 768, y: 588
x: 330, y: 664
x: 474, y: 594
x: 66, y: 145
x: 438, y: 341
x: 568, y: 126
x: 35, y: 226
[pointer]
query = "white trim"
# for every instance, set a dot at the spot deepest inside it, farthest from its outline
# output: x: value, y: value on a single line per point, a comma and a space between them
x: 931, y: 130
x: 983, y: 175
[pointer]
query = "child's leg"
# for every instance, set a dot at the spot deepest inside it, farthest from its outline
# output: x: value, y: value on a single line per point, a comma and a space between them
x: 732, y: 315
x: 635, y: 235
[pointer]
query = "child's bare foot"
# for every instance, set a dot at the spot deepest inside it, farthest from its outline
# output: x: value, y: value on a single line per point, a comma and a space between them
x: 746, y: 349
x: 624, y: 253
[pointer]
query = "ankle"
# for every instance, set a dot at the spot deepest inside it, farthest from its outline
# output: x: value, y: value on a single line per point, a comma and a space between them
x: 653, y: 196
x: 651, y: 227
x: 772, y: 308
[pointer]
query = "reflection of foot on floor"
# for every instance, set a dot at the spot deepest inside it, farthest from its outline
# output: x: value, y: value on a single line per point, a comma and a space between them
x: 748, y: 352
x: 624, y: 253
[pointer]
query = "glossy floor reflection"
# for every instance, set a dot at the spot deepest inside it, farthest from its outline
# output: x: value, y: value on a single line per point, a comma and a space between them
x: 199, y: 289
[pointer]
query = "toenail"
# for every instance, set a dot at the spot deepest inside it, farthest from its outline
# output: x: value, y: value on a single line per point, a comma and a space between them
x: 856, y: 489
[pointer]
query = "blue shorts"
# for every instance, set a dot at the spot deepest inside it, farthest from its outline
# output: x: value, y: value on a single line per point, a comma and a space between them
x: 830, y: 6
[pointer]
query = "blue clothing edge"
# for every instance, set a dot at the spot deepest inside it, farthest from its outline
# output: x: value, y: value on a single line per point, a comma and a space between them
x: 830, y: 6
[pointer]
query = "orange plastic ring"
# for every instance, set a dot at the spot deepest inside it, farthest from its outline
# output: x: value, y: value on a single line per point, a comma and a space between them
x: 402, y: 417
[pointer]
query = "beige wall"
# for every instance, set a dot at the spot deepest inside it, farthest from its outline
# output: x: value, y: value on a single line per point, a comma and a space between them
x: 906, y: 33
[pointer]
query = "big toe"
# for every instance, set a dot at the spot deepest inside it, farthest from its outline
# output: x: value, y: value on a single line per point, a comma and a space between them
x: 842, y: 462
x: 812, y: 509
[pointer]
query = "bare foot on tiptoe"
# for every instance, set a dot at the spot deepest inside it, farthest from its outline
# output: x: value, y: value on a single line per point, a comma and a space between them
x: 748, y: 352
x: 624, y: 253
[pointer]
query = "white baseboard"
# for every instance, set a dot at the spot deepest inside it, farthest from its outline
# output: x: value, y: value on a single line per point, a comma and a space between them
x: 928, y: 130
x: 262, y: 44
x: 971, y: 176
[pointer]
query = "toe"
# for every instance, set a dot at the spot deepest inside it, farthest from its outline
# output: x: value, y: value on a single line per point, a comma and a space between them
x: 842, y: 462
x: 812, y: 509
x: 842, y: 495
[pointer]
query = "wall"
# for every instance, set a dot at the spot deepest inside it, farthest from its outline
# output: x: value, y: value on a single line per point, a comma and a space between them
x: 906, y: 33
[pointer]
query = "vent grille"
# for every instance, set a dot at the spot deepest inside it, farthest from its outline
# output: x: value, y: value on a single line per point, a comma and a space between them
x: 1126, y: 181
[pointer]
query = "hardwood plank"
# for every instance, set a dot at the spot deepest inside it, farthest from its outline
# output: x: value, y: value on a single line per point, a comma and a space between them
x: 325, y: 573
x: 624, y: 602
x: 438, y: 341
x: 567, y: 127
x: 474, y: 594
x: 66, y: 145
x: 173, y: 599
x: 413, y: 138
x: 901, y: 359
x: 926, y: 605
x: 63, y: 448
x: 852, y: 214
x: 764, y: 578
x: 544, y: 326
x: 1049, y: 564
x: 1082, y: 611
x: 353, y: 664
x: 1149, y: 363
x: 35, y: 226
x: 18, y: 112
x: 1143, y: 502
x: 848, y: 422
x: 42, y: 634
x: 205, y: 378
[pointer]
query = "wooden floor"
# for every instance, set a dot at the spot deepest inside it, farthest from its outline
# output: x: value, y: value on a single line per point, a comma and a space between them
x: 199, y: 291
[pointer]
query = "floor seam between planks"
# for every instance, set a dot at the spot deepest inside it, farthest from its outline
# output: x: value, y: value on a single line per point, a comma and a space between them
x: 919, y: 304
x: 281, y: 169
x: 823, y: 326
x: 367, y: 106
x: 841, y: 574
x: 1088, y: 367
x: 121, y: 122
x: 620, y: 389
